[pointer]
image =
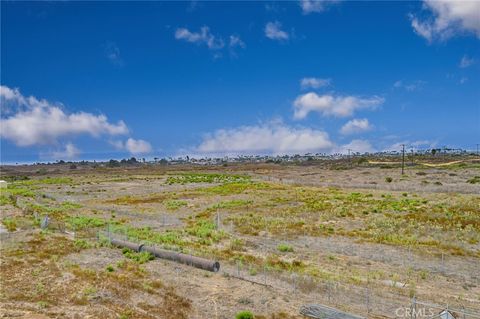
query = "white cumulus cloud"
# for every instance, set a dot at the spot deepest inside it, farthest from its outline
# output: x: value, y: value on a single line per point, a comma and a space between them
x: 137, y: 146
x: 310, y: 6
x: 268, y: 138
x: 314, y: 83
x: 466, y: 61
x: 448, y: 18
x: 30, y: 121
x: 132, y: 146
x: 273, y: 30
x: 356, y: 126
x: 204, y: 36
x: 234, y: 44
x: 410, y: 86
x: 70, y: 152
x: 330, y: 105
x: 235, y: 41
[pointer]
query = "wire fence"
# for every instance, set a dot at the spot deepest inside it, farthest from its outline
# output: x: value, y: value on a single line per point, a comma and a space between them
x: 363, y: 299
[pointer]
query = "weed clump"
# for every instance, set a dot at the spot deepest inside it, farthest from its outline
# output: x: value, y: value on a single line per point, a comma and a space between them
x: 244, y: 315
x: 82, y: 244
x: 10, y: 224
x: 83, y: 222
x: 474, y: 180
x: 175, y: 204
x: 388, y: 179
x: 285, y: 248
x: 141, y: 257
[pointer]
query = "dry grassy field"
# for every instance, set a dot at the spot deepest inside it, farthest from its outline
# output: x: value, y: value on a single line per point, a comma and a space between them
x: 354, y: 235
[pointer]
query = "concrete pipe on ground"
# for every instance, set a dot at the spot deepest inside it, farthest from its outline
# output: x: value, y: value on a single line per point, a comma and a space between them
x: 126, y: 244
x: 194, y: 261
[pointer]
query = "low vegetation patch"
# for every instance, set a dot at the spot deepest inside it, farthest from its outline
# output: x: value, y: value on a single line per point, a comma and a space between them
x: 174, y: 204
x: 231, y: 204
x: 138, y: 200
x: 244, y: 315
x: 10, y: 224
x: 147, y: 234
x: 285, y: 248
x: 83, y: 222
x: 46, y: 181
x: 474, y: 180
x: 187, y: 178
x: 236, y: 188
x: 139, y: 257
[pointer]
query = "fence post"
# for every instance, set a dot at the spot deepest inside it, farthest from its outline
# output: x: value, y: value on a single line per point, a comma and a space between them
x: 329, y: 291
x: 367, y: 300
x: 265, y: 274
x: 238, y: 268
x: 294, y: 279
x: 443, y: 264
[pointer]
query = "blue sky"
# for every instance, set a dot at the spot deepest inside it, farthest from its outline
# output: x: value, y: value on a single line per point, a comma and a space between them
x: 100, y: 80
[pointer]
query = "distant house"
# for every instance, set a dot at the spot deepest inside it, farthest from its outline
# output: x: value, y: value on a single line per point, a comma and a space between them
x: 3, y: 184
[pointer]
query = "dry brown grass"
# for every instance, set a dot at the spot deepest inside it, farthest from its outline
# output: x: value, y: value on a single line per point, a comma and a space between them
x: 35, y: 273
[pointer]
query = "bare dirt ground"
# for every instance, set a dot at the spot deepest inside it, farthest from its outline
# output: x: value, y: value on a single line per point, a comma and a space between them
x: 359, y: 237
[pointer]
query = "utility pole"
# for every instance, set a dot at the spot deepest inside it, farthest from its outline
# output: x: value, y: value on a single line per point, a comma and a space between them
x: 349, y: 158
x: 477, y: 148
x: 403, y: 158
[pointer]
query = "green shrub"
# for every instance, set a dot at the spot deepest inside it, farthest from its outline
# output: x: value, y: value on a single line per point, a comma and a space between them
x: 10, y: 224
x: 388, y: 179
x: 82, y: 222
x: 141, y: 257
x: 82, y: 244
x: 69, y: 205
x: 170, y: 236
x: 284, y: 248
x: 175, y: 204
x: 244, y: 315
x: 206, y: 231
